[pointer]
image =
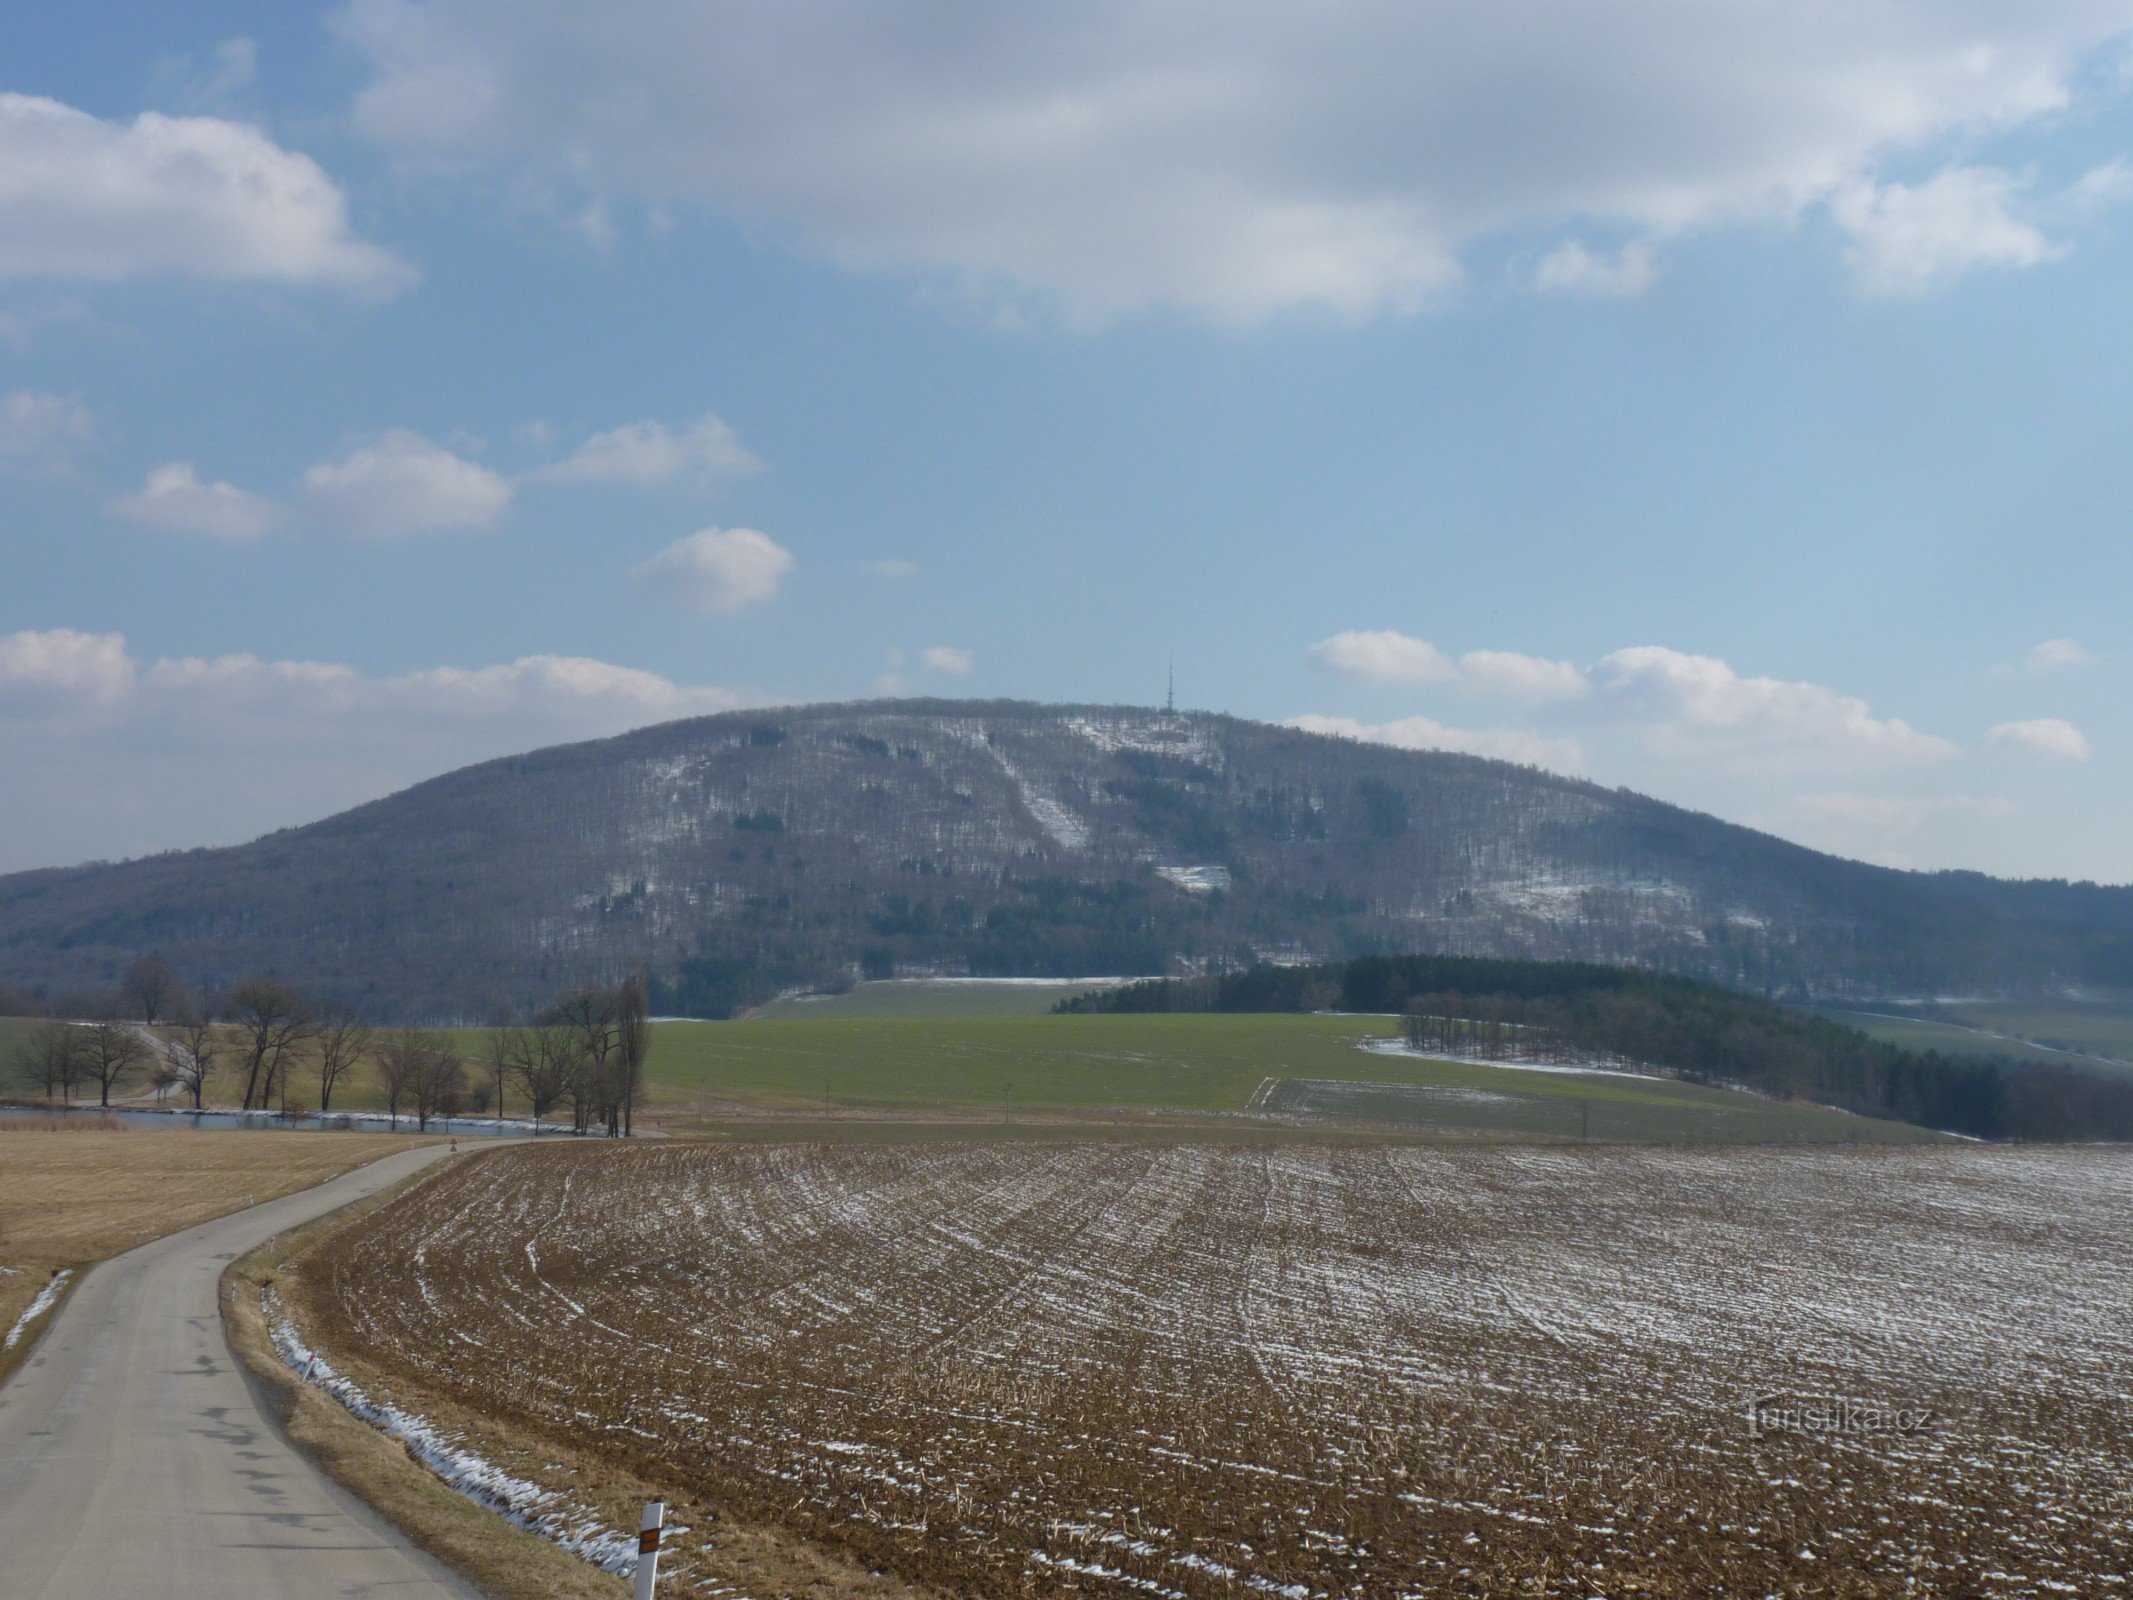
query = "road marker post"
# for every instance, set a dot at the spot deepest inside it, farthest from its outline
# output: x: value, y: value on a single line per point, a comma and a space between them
x: 655, y: 1518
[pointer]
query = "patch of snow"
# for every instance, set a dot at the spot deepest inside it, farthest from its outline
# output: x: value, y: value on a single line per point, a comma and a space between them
x: 1400, y: 1047
x: 524, y: 1504
x: 37, y: 1308
x: 1202, y: 879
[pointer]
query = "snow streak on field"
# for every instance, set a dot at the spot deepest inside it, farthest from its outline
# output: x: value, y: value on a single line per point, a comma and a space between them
x: 1300, y: 1372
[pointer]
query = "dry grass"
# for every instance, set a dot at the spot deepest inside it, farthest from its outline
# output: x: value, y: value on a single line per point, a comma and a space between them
x: 70, y: 1195
x: 1198, y: 1372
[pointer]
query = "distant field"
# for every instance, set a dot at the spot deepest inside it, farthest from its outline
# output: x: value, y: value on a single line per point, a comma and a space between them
x: 72, y: 1195
x: 1195, y: 1063
x: 925, y: 997
x: 2042, y: 1031
x: 1199, y: 1373
x: 808, y: 1063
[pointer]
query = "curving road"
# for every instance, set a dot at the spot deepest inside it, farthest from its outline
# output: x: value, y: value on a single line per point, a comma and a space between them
x: 136, y: 1462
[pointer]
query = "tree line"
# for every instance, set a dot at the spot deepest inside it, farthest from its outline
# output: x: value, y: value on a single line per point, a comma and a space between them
x: 267, y: 1046
x: 1580, y: 1013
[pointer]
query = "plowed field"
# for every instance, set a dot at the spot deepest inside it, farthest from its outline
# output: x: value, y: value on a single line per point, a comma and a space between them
x: 1190, y: 1371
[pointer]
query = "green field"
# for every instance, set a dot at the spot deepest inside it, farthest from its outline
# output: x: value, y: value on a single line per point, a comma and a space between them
x: 925, y: 997
x: 2059, y: 1031
x: 1197, y: 1063
x: 1208, y: 1069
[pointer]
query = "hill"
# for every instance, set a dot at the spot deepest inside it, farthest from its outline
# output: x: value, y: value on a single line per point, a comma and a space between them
x: 738, y: 855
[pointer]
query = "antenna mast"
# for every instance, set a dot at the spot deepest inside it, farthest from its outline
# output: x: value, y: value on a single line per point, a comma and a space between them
x: 1170, y: 691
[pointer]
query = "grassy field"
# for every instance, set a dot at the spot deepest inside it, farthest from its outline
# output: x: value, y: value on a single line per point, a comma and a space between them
x: 1199, y: 1063
x: 72, y: 1195
x: 1213, y: 1068
x: 2017, y: 1030
x: 923, y: 997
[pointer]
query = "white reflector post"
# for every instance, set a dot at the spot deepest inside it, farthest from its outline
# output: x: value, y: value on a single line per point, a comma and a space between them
x: 655, y: 1518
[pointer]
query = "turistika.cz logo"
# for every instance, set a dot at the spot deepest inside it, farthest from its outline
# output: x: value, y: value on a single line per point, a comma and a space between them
x: 1778, y: 1413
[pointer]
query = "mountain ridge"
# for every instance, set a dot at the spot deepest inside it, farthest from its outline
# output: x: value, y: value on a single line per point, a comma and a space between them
x: 741, y: 853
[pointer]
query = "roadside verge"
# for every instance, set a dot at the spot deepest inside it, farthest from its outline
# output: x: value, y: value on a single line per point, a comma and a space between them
x: 502, y: 1561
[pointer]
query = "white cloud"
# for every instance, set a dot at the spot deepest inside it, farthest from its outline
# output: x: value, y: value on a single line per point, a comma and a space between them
x: 1573, y: 270
x: 176, y: 501
x: 1383, y: 656
x: 650, y: 453
x: 1236, y: 157
x: 112, y: 753
x: 1698, y: 710
x: 719, y: 570
x: 63, y: 669
x: 1685, y: 708
x: 1908, y: 238
x: 39, y: 430
x: 2045, y: 738
x: 892, y: 568
x: 1420, y: 733
x: 194, y: 196
x: 2056, y: 655
x: 948, y: 659
x: 400, y: 484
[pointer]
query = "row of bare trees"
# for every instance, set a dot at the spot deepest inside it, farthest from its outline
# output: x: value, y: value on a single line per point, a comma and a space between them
x: 265, y: 1043
x: 587, y: 1050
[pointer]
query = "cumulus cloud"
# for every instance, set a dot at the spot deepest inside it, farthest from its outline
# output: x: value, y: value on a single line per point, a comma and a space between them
x: 63, y: 670
x: 174, y: 500
x: 1697, y: 708
x: 1242, y: 157
x: 1384, y: 656
x: 652, y: 453
x: 1573, y: 270
x: 112, y: 751
x: 401, y: 484
x: 720, y: 570
x: 1908, y: 238
x: 39, y: 430
x: 1684, y: 708
x: 194, y: 196
x: 2055, y: 655
x: 948, y: 659
x: 2044, y: 738
x: 1421, y: 733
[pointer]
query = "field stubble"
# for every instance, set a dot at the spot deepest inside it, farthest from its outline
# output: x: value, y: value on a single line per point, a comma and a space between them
x: 73, y: 1193
x: 1196, y: 1371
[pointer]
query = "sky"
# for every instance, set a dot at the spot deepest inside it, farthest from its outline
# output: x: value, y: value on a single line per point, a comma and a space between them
x: 1729, y: 401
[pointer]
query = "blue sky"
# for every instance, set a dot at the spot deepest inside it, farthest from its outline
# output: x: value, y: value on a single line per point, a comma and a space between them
x: 1715, y: 400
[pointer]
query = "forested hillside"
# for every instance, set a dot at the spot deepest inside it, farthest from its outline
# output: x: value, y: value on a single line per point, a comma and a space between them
x: 735, y: 856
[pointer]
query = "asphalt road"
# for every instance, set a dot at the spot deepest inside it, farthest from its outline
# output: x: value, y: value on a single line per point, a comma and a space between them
x: 137, y: 1463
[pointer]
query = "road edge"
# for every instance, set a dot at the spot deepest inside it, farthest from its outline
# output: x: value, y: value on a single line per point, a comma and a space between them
x: 503, y: 1562
x: 13, y: 1361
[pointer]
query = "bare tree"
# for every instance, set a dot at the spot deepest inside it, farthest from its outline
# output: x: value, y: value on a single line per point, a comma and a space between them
x: 109, y: 1050
x: 195, y: 1053
x: 590, y: 1011
x: 403, y: 1059
x: 633, y: 1043
x: 274, y: 1024
x: 440, y: 1083
x: 50, y: 1058
x: 153, y: 989
x: 545, y: 1060
x: 344, y: 1038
